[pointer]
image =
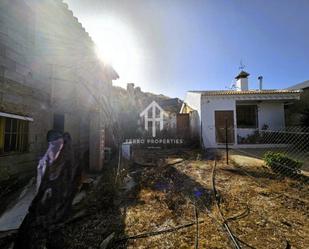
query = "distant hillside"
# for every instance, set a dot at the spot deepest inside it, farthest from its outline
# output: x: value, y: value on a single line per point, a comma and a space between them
x: 134, y: 97
x: 129, y: 103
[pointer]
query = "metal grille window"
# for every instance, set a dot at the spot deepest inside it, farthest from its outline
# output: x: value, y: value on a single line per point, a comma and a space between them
x: 247, y: 116
x: 13, y: 135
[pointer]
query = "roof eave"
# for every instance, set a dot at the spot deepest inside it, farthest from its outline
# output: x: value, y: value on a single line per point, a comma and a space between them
x: 284, y: 96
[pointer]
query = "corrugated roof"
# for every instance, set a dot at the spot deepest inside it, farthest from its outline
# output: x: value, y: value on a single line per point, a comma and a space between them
x: 233, y: 92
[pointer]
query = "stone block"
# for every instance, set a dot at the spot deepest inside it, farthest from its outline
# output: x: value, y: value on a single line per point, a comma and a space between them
x: 20, y: 163
x: 3, y: 38
x: 2, y: 50
x: 1, y: 72
x: 2, y: 61
x: 13, y: 55
x: 8, y: 63
x: 21, y: 69
x: 3, y: 28
x: 13, y: 75
x: 12, y: 98
x: 10, y: 43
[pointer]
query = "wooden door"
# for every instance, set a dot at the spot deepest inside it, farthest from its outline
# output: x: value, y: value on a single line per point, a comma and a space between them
x: 224, y: 119
x: 183, y: 124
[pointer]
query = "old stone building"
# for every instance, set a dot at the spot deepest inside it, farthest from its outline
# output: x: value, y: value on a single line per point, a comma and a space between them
x: 50, y: 77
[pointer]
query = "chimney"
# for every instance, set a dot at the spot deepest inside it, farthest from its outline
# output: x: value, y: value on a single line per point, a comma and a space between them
x: 242, y: 81
x: 260, y: 78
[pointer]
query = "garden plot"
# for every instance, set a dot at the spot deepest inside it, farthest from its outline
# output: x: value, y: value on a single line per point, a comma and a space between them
x: 158, y: 209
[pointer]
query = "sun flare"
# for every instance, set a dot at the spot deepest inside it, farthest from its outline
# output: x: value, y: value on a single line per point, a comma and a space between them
x: 116, y: 45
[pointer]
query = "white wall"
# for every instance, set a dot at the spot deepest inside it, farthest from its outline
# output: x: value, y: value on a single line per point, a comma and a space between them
x: 242, y: 84
x: 271, y: 114
x: 244, y: 132
x: 209, y: 106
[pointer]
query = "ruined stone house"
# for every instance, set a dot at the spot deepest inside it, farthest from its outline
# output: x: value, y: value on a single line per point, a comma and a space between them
x: 50, y: 77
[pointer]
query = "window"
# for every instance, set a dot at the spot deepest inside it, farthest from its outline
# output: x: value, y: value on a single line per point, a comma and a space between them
x: 150, y: 113
x: 246, y: 116
x: 157, y: 123
x: 13, y: 135
x: 158, y: 112
x: 149, y: 125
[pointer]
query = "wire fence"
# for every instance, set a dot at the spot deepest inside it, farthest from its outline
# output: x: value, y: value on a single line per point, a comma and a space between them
x: 285, y: 151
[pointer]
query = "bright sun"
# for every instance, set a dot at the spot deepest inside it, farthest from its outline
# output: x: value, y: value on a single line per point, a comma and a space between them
x: 116, y: 45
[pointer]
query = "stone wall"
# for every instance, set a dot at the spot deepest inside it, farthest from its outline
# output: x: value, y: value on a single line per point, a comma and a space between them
x: 17, y: 95
x: 48, y: 66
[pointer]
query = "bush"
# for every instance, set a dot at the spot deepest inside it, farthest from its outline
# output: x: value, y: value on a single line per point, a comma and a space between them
x: 280, y: 163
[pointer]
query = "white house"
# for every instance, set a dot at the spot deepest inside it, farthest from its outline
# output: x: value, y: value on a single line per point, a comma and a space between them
x: 242, y: 111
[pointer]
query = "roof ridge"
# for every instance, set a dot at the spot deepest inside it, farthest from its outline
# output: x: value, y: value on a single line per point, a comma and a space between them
x: 234, y: 92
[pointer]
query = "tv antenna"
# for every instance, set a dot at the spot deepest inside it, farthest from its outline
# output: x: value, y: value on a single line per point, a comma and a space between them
x: 242, y: 66
x: 231, y: 87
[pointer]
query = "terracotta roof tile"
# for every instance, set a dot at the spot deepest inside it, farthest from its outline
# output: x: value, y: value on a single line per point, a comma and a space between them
x: 233, y: 92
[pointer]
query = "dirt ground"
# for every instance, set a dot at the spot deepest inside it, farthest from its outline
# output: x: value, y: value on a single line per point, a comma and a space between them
x: 167, y: 189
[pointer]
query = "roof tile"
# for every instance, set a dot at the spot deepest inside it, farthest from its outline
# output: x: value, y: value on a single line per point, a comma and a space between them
x: 233, y: 92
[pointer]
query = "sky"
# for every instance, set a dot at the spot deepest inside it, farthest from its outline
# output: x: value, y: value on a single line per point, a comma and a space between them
x: 172, y: 46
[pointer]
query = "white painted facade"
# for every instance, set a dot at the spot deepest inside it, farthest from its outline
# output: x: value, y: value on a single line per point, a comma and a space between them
x: 270, y: 111
x: 242, y: 84
x: 208, y: 106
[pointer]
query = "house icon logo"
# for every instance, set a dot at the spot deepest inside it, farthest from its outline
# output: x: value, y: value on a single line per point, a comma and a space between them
x: 153, y: 116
